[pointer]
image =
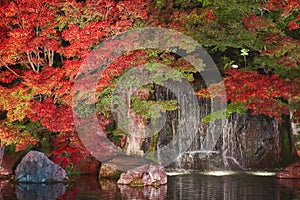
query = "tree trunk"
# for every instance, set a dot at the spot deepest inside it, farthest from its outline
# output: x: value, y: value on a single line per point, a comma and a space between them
x: 1, y: 155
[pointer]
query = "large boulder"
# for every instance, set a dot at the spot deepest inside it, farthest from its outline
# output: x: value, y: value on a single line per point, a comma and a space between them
x: 145, y: 175
x: 35, y: 167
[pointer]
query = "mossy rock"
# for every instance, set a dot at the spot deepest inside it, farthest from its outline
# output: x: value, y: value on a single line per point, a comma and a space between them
x: 138, y: 182
x: 109, y: 171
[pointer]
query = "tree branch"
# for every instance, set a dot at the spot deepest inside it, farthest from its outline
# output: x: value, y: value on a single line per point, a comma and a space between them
x: 7, y: 67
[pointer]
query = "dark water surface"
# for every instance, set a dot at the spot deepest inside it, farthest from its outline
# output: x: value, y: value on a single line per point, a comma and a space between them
x: 191, y: 186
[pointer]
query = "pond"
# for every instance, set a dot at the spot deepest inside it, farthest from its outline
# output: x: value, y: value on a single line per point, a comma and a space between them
x: 183, y: 186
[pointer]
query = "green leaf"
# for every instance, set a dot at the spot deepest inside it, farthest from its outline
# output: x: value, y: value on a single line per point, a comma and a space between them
x: 221, y: 114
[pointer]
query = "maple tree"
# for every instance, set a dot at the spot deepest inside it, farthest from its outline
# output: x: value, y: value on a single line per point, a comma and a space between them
x: 43, y: 44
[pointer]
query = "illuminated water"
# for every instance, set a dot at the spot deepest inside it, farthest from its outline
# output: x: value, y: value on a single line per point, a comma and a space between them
x: 217, y: 185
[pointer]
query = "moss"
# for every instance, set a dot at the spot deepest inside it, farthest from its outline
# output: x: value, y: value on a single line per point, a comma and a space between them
x: 117, y: 175
x: 113, y: 176
x: 286, y: 147
x: 145, y: 107
x: 136, y: 183
x: 153, y: 146
x: 225, y: 113
x: 288, y: 153
x: 156, y: 184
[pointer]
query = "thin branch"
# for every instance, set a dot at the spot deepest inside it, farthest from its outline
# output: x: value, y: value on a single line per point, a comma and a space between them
x: 29, y: 60
x: 7, y: 67
x: 38, y: 62
x: 29, y: 56
x: 51, y: 57
x: 107, y: 11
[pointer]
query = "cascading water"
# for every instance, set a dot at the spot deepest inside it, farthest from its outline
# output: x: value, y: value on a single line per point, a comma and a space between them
x: 242, y: 141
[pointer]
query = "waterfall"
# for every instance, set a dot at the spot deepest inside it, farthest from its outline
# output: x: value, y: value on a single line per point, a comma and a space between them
x: 241, y: 141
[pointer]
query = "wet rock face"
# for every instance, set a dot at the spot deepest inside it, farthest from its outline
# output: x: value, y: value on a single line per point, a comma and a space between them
x: 243, y: 140
x: 146, y: 175
x: 290, y: 172
x: 253, y: 141
x: 35, y: 167
x: 247, y: 142
x: 201, y: 161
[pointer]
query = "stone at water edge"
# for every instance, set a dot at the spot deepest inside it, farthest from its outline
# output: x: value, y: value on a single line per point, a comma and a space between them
x: 291, y: 171
x: 155, y: 176
x: 109, y: 171
x: 4, y: 173
x: 35, y: 167
x: 145, y: 175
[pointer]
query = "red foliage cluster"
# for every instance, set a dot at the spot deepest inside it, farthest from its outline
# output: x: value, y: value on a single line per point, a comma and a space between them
x: 283, y: 49
x: 255, y: 23
x: 295, y: 23
x: 53, y: 117
x: 262, y: 94
x: 67, y: 149
x: 7, y: 77
x: 209, y: 15
x: 44, y: 43
x: 286, y: 8
x: 133, y: 59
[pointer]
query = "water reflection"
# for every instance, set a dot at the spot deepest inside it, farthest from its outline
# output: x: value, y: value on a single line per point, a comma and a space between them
x: 7, y: 190
x: 236, y: 187
x: 39, y: 191
x: 290, y: 188
x: 188, y: 186
x: 149, y: 192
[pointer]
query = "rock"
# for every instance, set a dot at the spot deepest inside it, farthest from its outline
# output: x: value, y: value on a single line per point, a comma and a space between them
x: 128, y: 178
x: 249, y: 141
x: 155, y: 176
x: 145, y: 175
x: 35, y: 167
x: 89, y: 165
x: 291, y: 171
x: 11, y: 159
x: 4, y: 173
x: 109, y: 171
